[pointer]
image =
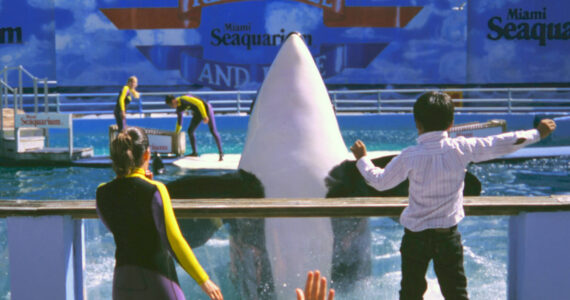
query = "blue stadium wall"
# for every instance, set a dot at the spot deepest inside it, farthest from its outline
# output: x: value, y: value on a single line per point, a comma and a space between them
x: 220, y: 45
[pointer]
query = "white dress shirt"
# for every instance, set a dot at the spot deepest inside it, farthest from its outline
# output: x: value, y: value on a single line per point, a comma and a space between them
x: 436, y: 169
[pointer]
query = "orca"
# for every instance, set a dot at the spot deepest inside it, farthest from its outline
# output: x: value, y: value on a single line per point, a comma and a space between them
x: 157, y: 164
x: 293, y: 149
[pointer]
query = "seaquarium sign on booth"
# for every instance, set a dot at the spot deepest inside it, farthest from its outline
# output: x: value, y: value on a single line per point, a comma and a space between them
x: 43, y: 120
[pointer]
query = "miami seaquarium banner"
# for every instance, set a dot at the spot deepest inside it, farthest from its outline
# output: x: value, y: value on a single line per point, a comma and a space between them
x: 229, y: 44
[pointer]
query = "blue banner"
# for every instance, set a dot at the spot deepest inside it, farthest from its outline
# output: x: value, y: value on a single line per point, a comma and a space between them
x: 229, y: 44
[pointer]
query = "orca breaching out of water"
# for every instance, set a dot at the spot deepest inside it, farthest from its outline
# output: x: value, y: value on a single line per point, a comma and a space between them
x: 293, y: 149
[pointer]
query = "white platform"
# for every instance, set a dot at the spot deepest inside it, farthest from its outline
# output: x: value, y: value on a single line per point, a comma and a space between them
x: 209, y: 161
x: 231, y: 161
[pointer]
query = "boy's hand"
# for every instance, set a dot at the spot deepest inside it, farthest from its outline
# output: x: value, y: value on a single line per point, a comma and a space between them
x: 545, y: 127
x: 358, y: 149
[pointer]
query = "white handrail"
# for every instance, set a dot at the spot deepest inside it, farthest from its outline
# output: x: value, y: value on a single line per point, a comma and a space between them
x: 468, y: 99
x: 475, y: 100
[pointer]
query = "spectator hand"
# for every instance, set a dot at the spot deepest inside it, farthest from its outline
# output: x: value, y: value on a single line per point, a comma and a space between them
x: 546, y: 127
x: 358, y: 149
x: 315, y: 288
x: 212, y: 290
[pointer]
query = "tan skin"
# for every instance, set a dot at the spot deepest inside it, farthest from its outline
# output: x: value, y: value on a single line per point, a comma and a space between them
x: 545, y: 128
x: 174, y: 104
x: 315, y: 288
x: 209, y: 287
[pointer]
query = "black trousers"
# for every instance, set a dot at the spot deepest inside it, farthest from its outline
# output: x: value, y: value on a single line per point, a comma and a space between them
x: 445, y: 248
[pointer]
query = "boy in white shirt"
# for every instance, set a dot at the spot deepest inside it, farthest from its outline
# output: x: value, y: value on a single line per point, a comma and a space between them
x: 436, y: 169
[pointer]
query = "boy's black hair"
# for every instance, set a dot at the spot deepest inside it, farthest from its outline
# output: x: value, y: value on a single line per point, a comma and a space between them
x: 168, y: 99
x: 434, y: 111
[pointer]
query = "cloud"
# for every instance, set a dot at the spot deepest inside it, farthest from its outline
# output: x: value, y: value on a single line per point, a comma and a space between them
x: 63, y: 41
x: 453, y: 66
x: 33, y: 55
x: 420, y: 20
x: 291, y: 17
x: 359, y: 33
x: 166, y: 37
x: 41, y: 4
x: 483, y: 6
x: 100, y: 75
x: 95, y: 22
x: 496, y: 63
x: 49, y: 27
x: 74, y: 5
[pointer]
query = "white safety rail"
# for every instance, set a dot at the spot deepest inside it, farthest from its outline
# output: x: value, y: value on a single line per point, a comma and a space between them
x: 25, y: 80
x: 467, y: 99
x: 499, y: 100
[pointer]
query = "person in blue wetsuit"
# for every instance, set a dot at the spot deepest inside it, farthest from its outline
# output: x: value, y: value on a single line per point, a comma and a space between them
x: 138, y: 212
x: 201, y: 111
x: 124, y: 98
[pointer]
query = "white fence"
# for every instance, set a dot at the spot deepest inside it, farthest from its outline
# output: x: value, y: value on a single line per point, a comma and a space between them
x: 469, y: 100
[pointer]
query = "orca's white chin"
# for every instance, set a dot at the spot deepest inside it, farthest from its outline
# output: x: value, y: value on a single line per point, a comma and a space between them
x: 293, y: 142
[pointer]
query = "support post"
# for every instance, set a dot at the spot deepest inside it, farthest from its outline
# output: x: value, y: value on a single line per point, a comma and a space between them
x: 43, y: 263
x: 46, y: 101
x: 238, y: 102
x: 70, y: 130
x: 538, y: 265
x: 35, y: 95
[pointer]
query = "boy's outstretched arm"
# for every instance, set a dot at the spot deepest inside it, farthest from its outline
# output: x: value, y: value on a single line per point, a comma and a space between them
x: 546, y: 127
x: 358, y: 149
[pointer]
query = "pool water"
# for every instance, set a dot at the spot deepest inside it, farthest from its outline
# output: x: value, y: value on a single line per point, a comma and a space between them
x: 485, y: 238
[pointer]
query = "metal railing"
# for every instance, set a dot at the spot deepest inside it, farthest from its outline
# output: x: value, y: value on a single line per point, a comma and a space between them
x: 294, y: 207
x: 503, y: 100
x: 468, y: 100
x: 18, y: 96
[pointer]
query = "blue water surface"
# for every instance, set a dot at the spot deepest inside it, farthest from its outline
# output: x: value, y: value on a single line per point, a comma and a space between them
x: 485, y: 238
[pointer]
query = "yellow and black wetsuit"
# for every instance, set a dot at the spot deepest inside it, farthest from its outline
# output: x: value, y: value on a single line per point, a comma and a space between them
x: 139, y: 213
x: 200, y: 110
x: 123, y: 100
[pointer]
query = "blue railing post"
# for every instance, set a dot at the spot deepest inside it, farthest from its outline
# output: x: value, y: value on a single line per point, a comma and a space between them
x: 510, y: 100
x: 238, y: 102
x: 140, y: 106
x: 538, y: 265
x: 379, y: 101
x: 46, y: 100
x: 42, y: 258
x: 334, y: 101
x: 35, y: 95
x: 20, y: 87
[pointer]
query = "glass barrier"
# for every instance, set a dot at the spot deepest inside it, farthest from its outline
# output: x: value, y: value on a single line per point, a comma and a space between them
x: 365, y: 258
x: 4, y: 266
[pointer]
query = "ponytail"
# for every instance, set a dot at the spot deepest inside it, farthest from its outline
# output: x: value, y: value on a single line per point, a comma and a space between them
x: 127, y: 150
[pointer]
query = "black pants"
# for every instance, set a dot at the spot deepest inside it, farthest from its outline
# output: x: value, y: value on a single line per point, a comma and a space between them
x: 445, y: 248
x: 196, y: 119
x: 121, y: 122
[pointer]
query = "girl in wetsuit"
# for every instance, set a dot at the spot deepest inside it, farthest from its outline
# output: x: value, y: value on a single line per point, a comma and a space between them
x: 124, y: 98
x: 201, y: 111
x: 138, y: 211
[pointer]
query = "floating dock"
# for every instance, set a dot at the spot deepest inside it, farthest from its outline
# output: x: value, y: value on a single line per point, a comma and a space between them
x: 24, y: 139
